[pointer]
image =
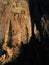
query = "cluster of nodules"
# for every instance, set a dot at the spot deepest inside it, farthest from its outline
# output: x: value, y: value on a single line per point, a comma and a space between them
x: 15, y: 3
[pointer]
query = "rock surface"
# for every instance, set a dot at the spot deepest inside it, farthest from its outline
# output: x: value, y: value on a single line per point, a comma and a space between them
x: 15, y: 27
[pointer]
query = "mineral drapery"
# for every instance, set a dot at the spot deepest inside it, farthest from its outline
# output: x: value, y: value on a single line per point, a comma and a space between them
x: 15, y: 27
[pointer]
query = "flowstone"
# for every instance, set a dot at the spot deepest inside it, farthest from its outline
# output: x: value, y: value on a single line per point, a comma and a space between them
x: 15, y: 27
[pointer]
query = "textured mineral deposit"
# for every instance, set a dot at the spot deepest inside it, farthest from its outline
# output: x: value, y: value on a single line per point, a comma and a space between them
x: 15, y: 27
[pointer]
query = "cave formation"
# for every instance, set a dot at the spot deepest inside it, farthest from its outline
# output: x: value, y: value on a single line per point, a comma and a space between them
x: 21, y: 21
x: 15, y: 28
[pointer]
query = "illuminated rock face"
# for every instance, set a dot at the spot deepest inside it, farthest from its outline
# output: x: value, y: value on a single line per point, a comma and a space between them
x: 15, y: 27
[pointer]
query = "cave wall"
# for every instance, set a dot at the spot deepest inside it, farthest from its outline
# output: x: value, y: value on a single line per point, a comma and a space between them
x: 35, y: 52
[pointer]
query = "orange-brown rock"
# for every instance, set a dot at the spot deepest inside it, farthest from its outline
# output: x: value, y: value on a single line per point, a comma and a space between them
x: 15, y: 26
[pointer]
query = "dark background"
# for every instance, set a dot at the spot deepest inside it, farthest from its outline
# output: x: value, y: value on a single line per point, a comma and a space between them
x: 35, y: 52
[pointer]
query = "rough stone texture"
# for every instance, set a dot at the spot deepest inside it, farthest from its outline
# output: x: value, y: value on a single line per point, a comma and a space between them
x: 45, y: 28
x: 15, y: 27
